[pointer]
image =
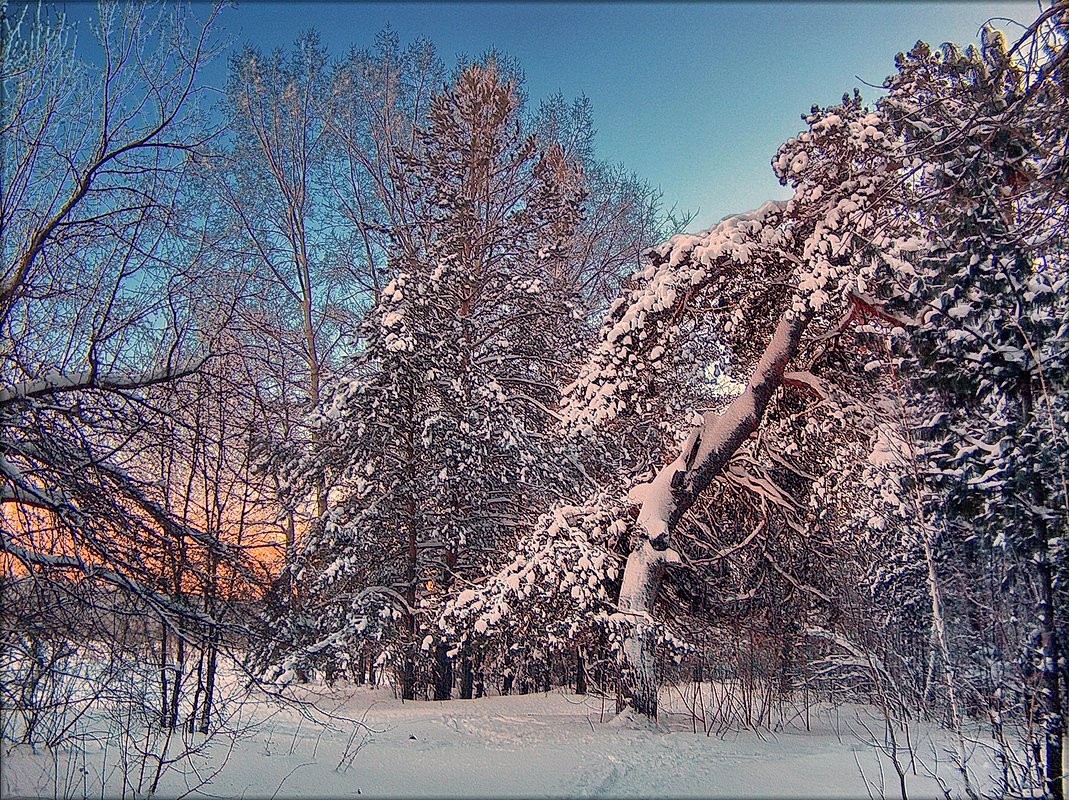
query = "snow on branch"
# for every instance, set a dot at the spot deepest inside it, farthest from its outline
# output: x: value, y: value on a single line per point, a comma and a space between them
x: 820, y: 246
x: 711, y: 444
x: 635, y: 331
x: 55, y: 382
x: 165, y: 606
x: 558, y: 578
x: 19, y: 490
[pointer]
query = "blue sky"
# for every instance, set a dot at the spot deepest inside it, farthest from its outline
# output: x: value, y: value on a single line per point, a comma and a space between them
x: 695, y: 97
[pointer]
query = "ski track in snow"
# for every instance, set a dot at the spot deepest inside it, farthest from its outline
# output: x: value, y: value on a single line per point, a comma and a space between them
x: 537, y: 745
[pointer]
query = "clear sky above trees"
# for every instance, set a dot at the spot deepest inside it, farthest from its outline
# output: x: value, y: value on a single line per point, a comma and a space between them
x: 694, y: 96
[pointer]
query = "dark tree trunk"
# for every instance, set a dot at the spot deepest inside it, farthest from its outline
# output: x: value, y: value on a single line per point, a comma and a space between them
x: 164, y: 687
x: 1053, y: 722
x: 467, y: 679
x: 408, y: 678
x: 209, y: 686
x: 443, y: 673
x: 480, y: 681
x: 176, y: 686
x: 191, y: 722
x: 580, y: 672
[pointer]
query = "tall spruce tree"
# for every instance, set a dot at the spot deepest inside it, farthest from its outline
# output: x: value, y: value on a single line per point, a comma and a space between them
x: 985, y: 370
x: 438, y: 437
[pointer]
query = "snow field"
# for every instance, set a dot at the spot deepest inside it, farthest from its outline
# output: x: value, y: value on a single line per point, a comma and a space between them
x: 537, y: 745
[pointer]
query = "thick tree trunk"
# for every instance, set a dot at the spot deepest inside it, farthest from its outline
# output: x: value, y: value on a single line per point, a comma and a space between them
x: 480, y: 679
x: 408, y: 678
x: 674, y: 489
x: 467, y: 679
x: 580, y: 672
x: 642, y: 579
x: 443, y: 673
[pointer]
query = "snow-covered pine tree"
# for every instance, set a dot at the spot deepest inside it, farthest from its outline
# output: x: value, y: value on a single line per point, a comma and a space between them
x: 984, y: 371
x: 794, y: 268
x: 849, y: 227
x: 437, y: 440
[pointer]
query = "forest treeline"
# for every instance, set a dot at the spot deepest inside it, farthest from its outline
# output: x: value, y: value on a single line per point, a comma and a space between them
x: 362, y: 368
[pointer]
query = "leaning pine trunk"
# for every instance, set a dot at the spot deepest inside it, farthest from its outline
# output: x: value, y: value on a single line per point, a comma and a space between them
x: 674, y: 489
x: 642, y: 581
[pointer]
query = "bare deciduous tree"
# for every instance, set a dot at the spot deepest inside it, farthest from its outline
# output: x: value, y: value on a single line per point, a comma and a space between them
x: 106, y: 266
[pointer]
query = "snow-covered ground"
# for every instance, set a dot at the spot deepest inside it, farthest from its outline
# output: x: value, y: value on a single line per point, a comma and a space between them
x: 538, y: 745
